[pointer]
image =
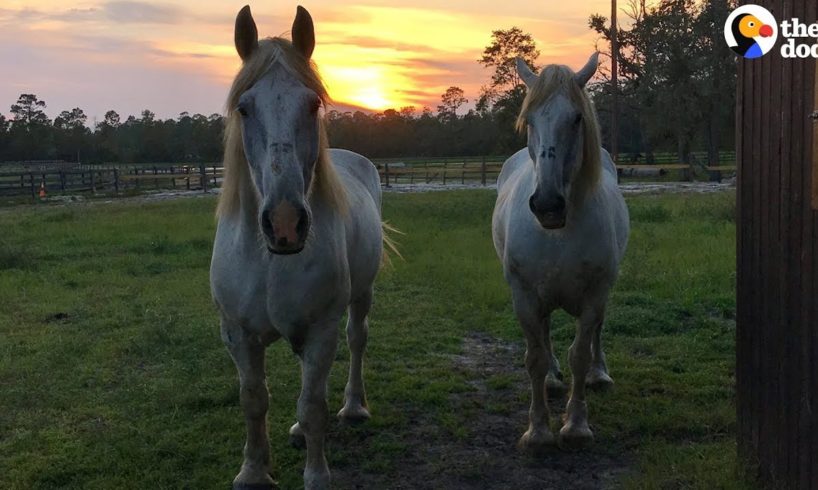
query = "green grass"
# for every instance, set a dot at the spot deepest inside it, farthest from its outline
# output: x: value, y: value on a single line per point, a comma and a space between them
x: 112, y: 373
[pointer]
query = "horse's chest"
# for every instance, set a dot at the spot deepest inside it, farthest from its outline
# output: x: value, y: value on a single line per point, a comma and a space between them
x: 561, y: 274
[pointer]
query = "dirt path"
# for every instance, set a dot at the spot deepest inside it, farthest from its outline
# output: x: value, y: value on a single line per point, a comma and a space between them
x: 486, y: 458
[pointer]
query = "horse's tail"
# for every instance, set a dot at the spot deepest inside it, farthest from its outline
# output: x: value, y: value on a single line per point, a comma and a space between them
x: 390, y: 246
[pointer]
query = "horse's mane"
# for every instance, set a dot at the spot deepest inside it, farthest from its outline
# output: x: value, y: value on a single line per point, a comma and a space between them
x: 326, y: 182
x: 559, y: 78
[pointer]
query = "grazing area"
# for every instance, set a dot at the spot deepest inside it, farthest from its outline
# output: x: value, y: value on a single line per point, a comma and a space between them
x: 112, y: 372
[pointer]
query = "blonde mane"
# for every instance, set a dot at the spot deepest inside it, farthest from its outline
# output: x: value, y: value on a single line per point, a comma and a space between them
x: 559, y: 78
x: 326, y: 182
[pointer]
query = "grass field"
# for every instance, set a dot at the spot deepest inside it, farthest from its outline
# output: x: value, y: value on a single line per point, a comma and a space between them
x: 112, y: 373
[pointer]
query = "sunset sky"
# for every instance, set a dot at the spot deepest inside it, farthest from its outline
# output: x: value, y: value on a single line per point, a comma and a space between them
x: 174, y: 56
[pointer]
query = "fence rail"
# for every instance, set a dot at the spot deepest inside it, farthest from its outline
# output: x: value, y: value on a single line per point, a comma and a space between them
x: 115, y: 179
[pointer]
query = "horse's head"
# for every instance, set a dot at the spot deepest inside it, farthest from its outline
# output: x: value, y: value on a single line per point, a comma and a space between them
x: 559, y: 120
x: 280, y: 129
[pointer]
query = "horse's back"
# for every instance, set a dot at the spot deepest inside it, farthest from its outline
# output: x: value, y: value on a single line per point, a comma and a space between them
x: 515, y: 163
x: 357, y: 170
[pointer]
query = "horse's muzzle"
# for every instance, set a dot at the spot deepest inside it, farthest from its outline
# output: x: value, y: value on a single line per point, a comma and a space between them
x: 550, y: 211
x: 285, y: 228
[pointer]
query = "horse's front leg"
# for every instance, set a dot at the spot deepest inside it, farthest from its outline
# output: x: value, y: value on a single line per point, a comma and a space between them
x: 313, y: 413
x: 247, y: 352
x: 535, y: 322
x: 575, y: 433
x: 554, y: 383
x: 355, y: 406
x: 598, y: 377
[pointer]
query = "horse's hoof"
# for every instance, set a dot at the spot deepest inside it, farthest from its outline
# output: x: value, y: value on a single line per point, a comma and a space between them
x: 248, y: 479
x: 575, y: 437
x: 255, y: 486
x: 555, y: 387
x: 598, y: 380
x: 354, y: 415
x: 297, y: 439
x: 316, y: 480
x: 536, y: 443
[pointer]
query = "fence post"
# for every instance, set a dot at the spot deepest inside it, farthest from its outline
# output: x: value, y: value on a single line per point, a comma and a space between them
x: 483, y: 171
x: 426, y: 168
x: 31, y: 182
x: 444, y: 171
x: 204, y: 177
x: 187, y: 179
x: 93, y: 182
x: 386, y: 173
x: 116, y: 180
x: 62, y: 180
x: 215, y: 181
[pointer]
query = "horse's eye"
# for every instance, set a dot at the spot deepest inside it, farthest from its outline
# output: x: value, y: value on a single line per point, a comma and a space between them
x: 314, y: 106
x: 241, y: 110
x: 578, y: 119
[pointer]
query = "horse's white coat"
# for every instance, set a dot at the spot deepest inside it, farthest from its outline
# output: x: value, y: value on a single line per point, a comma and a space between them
x: 301, y: 297
x: 571, y: 267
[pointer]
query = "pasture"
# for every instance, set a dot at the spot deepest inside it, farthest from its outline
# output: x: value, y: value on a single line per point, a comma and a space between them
x: 113, y: 373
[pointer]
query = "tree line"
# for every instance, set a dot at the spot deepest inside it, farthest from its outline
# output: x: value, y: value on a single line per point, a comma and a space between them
x: 676, y: 93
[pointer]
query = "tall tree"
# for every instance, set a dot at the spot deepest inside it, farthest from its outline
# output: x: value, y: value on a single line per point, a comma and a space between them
x: 29, y: 111
x: 506, y: 46
x: 451, y: 100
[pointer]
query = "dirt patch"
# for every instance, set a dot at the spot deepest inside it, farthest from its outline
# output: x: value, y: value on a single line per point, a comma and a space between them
x: 485, y: 455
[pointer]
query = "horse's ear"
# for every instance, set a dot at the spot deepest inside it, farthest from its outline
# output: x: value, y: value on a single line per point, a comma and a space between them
x: 303, y: 32
x: 588, y: 70
x: 246, y: 34
x: 528, y: 76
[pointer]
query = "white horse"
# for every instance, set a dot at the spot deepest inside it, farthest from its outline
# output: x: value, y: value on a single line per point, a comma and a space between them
x: 299, y: 241
x: 560, y: 227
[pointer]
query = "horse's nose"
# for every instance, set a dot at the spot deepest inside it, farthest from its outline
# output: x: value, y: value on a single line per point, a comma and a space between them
x: 552, y: 203
x: 286, y: 227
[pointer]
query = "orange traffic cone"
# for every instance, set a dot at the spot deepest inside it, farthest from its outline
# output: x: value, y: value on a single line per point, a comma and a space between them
x: 42, y: 190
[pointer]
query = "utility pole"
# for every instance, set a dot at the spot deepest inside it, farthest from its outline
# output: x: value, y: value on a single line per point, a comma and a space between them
x: 614, y: 85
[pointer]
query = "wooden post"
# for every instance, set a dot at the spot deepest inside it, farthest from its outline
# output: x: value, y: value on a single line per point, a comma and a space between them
x: 215, y: 181
x: 93, y: 182
x: 426, y: 168
x: 116, y: 180
x: 204, y: 177
x: 62, y: 180
x: 31, y: 182
x: 444, y: 171
x: 172, y: 177
x: 614, y: 85
x: 386, y: 173
x: 483, y: 172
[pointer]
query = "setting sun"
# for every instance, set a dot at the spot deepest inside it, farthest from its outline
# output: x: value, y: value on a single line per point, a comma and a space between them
x: 169, y: 58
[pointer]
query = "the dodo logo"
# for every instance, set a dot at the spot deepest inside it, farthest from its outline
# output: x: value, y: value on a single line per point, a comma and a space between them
x: 751, y: 31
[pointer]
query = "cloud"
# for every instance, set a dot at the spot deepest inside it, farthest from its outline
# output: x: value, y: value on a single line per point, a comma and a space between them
x: 142, y: 13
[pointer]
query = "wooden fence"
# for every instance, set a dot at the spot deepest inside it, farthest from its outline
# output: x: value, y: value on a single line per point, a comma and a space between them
x: 115, y: 179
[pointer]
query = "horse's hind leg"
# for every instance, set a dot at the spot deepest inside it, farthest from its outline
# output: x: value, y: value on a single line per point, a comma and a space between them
x: 247, y: 352
x: 575, y: 433
x: 537, y: 359
x: 355, y: 407
x: 554, y: 383
x: 312, y: 413
x: 598, y: 377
